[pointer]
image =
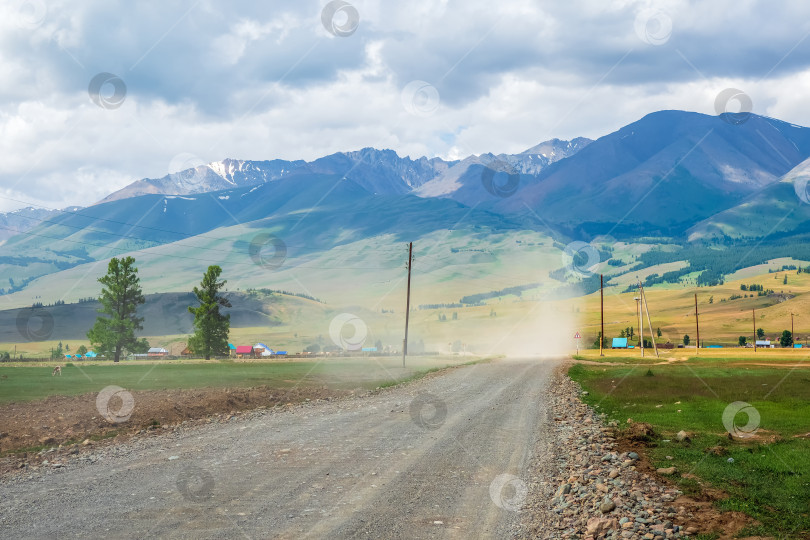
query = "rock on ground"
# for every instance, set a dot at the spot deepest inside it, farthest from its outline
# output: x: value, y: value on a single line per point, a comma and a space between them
x: 592, y: 490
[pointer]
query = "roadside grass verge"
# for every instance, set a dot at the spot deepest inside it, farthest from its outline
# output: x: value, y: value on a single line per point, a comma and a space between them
x: 32, y: 382
x: 768, y: 477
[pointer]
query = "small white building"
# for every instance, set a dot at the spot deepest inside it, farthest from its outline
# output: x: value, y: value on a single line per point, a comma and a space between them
x: 263, y: 350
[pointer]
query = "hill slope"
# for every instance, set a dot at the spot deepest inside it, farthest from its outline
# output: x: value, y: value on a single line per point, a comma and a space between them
x: 663, y: 173
x: 779, y: 209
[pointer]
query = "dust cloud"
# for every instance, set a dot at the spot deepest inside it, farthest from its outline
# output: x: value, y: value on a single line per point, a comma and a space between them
x: 547, y: 330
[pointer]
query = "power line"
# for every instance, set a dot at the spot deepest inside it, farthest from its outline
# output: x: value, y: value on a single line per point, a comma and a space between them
x: 144, y: 252
x: 119, y: 235
x: 486, y: 276
x: 131, y: 225
x: 489, y: 274
x: 454, y: 268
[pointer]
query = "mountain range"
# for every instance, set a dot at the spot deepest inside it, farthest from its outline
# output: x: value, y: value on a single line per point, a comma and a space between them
x: 681, y: 176
x: 377, y: 171
x: 25, y: 219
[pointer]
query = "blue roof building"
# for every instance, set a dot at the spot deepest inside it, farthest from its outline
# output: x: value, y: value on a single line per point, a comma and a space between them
x: 619, y: 343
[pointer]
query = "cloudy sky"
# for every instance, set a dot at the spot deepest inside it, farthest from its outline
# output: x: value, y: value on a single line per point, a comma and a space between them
x: 98, y: 94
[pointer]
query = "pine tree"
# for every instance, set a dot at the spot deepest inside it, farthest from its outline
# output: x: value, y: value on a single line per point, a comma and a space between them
x: 211, y: 327
x: 605, y: 343
x: 120, y: 298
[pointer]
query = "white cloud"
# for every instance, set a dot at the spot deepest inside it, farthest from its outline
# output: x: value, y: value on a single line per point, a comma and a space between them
x: 257, y: 81
x: 230, y: 48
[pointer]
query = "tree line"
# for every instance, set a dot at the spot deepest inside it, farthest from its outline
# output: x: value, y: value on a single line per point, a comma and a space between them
x: 716, y: 261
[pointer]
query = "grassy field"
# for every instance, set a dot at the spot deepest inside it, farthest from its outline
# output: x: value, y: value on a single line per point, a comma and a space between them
x: 722, y: 319
x: 25, y: 382
x: 792, y: 357
x: 765, y: 476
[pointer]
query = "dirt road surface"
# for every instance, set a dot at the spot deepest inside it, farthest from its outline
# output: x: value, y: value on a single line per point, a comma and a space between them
x: 425, y: 460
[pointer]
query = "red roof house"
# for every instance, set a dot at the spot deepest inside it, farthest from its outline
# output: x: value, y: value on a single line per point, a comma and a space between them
x: 244, y: 350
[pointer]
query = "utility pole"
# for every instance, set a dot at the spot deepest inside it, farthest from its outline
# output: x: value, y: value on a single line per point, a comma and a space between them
x: 407, y: 304
x: 754, y: 316
x: 791, y: 326
x: 602, y: 311
x: 649, y: 322
x: 697, y: 326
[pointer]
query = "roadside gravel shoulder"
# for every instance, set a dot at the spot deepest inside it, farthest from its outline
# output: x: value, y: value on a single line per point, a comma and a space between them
x: 582, y: 487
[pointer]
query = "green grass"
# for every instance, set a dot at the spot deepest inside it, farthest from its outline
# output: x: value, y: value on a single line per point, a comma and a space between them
x: 769, y: 481
x: 32, y: 383
x: 649, y: 358
x: 798, y: 357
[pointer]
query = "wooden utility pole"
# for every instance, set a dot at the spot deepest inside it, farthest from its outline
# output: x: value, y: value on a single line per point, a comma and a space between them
x: 697, y: 325
x: 754, y: 317
x: 407, y: 304
x: 792, y: 335
x: 602, y: 311
x: 649, y: 322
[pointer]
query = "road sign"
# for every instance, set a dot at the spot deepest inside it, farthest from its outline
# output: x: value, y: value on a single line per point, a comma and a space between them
x: 577, y: 336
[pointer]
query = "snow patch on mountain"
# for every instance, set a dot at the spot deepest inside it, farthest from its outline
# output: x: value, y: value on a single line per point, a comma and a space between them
x: 378, y: 171
x: 530, y: 162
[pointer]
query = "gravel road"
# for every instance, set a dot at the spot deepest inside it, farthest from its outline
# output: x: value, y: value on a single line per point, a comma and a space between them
x: 443, y: 457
